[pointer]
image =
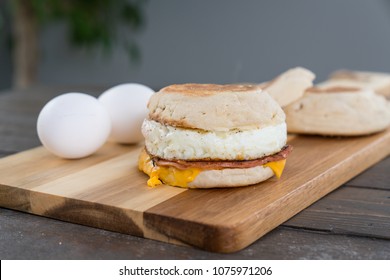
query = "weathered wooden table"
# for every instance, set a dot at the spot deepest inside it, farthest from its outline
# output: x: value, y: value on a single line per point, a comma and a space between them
x: 352, y: 222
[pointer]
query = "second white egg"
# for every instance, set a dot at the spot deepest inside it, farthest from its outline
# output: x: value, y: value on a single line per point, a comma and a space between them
x: 127, y: 106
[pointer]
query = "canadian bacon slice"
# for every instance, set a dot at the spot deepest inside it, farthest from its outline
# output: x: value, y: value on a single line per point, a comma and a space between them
x: 221, y: 164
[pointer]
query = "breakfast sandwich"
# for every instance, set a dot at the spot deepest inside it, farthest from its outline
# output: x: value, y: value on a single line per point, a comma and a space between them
x: 376, y: 81
x: 338, y: 111
x: 290, y: 85
x: 208, y: 136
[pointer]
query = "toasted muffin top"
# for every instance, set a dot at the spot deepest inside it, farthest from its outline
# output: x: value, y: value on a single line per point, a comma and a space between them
x: 214, y: 107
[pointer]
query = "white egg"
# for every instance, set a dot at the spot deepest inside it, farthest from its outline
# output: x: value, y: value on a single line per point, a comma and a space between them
x: 126, y: 105
x: 73, y: 125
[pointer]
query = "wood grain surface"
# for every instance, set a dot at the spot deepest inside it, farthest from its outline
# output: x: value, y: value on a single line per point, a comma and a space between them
x: 107, y: 191
x: 305, y: 236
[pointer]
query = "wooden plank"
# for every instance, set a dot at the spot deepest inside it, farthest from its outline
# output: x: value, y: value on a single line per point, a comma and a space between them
x: 17, y: 123
x: 293, y: 244
x: 377, y: 177
x: 316, y: 167
x: 36, y: 167
x: 5, y: 153
x: 349, y: 210
x: 12, y: 139
x: 107, y: 191
x: 52, y: 239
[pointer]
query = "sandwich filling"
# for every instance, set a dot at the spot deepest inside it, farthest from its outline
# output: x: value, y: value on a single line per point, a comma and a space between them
x: 169, y: 142
x: 180, y: 172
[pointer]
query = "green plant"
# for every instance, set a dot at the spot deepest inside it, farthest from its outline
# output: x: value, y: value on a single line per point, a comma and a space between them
x: 94, y: 22
x: 91, y: 23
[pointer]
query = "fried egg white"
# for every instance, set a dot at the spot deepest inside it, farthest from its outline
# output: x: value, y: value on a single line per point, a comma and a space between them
x: 170, y: 142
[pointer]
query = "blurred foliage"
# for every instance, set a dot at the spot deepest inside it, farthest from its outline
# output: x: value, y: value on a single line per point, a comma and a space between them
x: 95, y: 22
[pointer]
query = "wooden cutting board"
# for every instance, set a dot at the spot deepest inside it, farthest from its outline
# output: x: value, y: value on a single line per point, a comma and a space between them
x: 107, y: 191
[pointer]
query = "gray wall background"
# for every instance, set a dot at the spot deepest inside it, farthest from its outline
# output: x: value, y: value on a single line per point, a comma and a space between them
x: 225, y: 41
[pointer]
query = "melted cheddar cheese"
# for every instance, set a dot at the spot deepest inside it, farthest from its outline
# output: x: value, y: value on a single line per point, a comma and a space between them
x: 181, y: 178
x: 276, y: 166
x: 168, y: 175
